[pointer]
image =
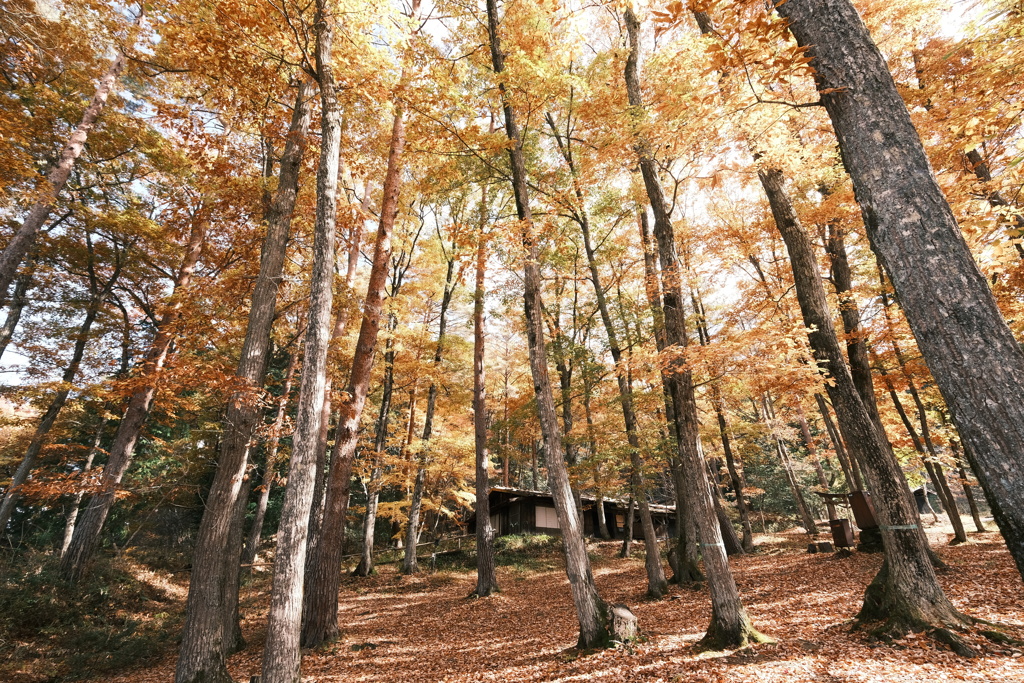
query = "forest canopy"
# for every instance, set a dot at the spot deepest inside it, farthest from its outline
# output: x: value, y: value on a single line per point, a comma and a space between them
x: 296, y: 290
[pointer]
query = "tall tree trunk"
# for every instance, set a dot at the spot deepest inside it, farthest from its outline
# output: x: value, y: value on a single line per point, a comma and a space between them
x: 486, y: 579
x: 974, y: 357
x: 209, y: 631
x: 90, y: 526
x: 905, y: 593
x: 281, y: 655
x: 252, y: 542
x: 25, y: 235
x: 412, y: 530
x: 320, y: 602
x: 600, y: 624
x: 730, y: 626
x: 657, y: 586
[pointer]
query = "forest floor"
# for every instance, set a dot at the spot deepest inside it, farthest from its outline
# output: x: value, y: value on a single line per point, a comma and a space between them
x: 424, y: 628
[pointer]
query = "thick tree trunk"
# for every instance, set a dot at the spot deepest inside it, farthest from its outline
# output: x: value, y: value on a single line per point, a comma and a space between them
x: 320, y: 602
x: 90, y: 526
x: 252, y: 542
x: 281, y: 655
x: 600, y: 624
x: 486, y: 579
x: 906, y: 593
x: 208, y: 635
x: 24, y: 237
x: 975, y: 359
x: 730, y: 626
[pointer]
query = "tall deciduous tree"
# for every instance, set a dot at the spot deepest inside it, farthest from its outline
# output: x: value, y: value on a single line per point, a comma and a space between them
x: 281, y: 655
x: 600, y: 624
x: 972, y: 354
x: 730, y: 626
x: 209, y: 631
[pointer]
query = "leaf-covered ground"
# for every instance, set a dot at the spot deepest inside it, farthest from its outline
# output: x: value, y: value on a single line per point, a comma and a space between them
x: 425, y: 629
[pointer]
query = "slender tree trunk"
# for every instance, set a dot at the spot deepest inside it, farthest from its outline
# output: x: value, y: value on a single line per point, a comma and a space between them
x: 208, y: 635
x: 90, y: 526
x: 281, y: 655
x: 76, y: 500
x: 46, y: 422
x: 600, y: 624
x: 941, y: 485
x: 905, y: 593
x: 782, y: 449
x: 412, y: 530
x: 735, y: 475
x: 657, y: 586
x: 602, y: 522
x: 252, y: 542
x: 974, y: 357
x: 18, y: 302
x: 851, y: 469
x: 320, y: 602
x: 730, y: 626
x: 812, y: 453
x: 685, y: 557
x: 25, y: 235
x: 486, y: 579
x: 627, y: 540
x: 365, y: 566
x: 968, y: 489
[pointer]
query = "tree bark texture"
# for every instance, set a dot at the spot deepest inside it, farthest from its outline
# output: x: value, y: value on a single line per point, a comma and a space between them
x: 906, y: 593
x: 281, y: 655
x: 320, y: 606
x: 976, y: 362
x: 208, y: 634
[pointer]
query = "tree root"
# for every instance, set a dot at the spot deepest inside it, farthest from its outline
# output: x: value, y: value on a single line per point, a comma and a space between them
x: 719, y: 638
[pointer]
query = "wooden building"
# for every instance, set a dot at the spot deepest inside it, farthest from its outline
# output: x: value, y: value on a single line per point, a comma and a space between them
x: 519, y: 511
